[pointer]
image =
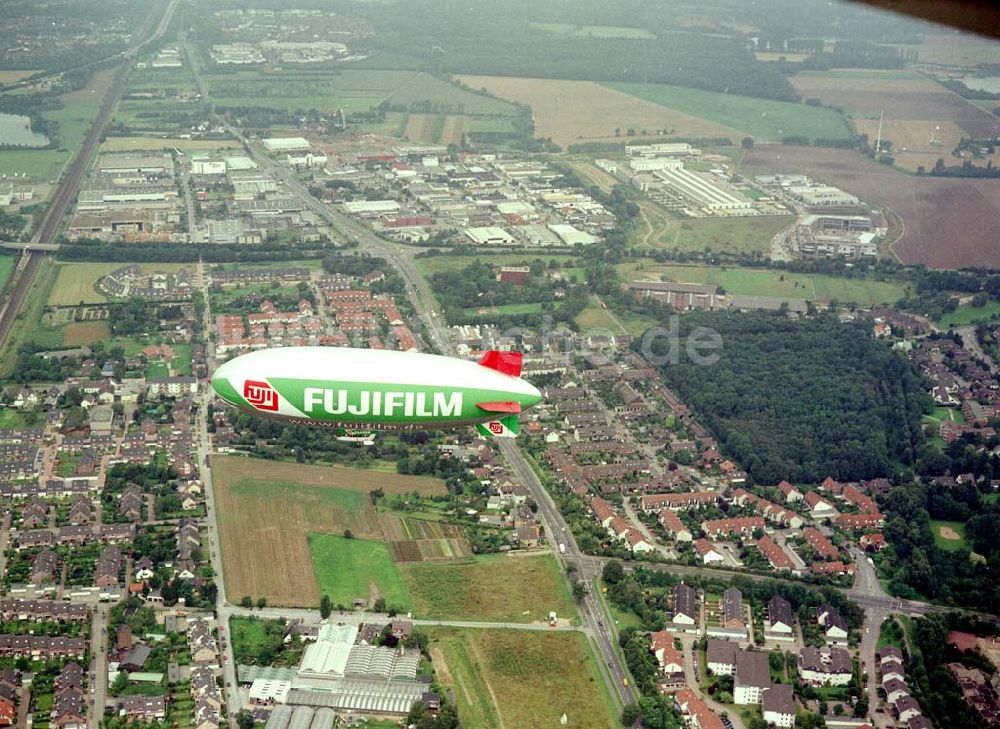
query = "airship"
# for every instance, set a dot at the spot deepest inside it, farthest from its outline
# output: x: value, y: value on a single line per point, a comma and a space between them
x: 358, y: 390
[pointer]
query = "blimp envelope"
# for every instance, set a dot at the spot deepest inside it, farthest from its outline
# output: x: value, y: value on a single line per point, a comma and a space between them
x: 377, y: 389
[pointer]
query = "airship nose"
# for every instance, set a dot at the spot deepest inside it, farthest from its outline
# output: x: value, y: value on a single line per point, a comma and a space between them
x: 220, y: 381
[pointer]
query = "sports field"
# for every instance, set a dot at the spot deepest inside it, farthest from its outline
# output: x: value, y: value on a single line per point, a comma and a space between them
x: 76, y: 281
x: 760, y: 118
x: 356, y: 568
x: 502, y: 679
x: 572, y: 112
x: 266, y: 509
x: 949, y: 535
x: 496, y: 588
x: 764, y: 282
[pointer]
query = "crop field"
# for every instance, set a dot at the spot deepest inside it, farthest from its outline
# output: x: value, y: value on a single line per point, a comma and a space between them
x: 510, y: 678
x: 491, y: 587
x: 12, y: 77
x: 572, y: 112
x: 266, y: 510
x: 85, y: 332
x: 923, y: 120
x: 423, y: 128
x: 594, y: 31
x: 76, y: 282
x: 452, y: 130
x: 416, y: 540
x: 948, y: 223
x: 955, y: 49
x: 351, y: 90
x: 761, y: 118
x: 763, y: 282
x: 347, y: 569
x: 128, y: 144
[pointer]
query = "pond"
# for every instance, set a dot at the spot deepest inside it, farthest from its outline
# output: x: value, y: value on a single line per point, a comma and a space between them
x: 990, y: 84
x: 15, y: 131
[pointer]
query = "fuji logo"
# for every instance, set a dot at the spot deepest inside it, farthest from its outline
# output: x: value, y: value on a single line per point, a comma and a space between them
x: 495, y: 427
x: 261, y: 395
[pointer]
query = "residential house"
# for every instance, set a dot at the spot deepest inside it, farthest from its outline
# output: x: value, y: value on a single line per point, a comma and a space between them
x: 779, y: 705
x: 674, y: 527
x: 790, y: 493
x: 669, y: 658
x: 834, y: 626
x: 775, y: 555
x: 752, y: 677
x: 831, y: 667
x: 740, y: 526
x: 779, y: 624
x: 685, y: 609
x: 708, y: 553
x: 732, y: 619
x: 874, y: 542
x: 820, y: 544
x: 819, y: 507
x: 696, y: 713
x: 721, y: 657
x: 146, y: 709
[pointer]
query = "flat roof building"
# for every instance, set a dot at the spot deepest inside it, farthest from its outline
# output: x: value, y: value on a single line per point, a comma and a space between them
x: 286, y: 144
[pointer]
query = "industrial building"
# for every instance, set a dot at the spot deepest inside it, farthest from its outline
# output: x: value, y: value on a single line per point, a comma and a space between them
x: 286, y: 144
x: 699, y: 191
x: 489, y: 235
x: 816, y: 195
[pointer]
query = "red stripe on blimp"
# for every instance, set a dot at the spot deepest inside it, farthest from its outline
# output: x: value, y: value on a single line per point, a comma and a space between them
x: 507, y: 362
x: 500, y: 407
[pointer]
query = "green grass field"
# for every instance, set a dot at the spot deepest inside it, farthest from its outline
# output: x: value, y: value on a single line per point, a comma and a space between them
x: 764, y: 282
x: 76, y: 281
x: 350, y: 90
x: 356, y: 568
x: 736, y: 235
x: 967, y: 314
x: 429, y: 265
x: 73, y: 120
x: 509, y: 309
x: 761, y: 118
x: 505, y: 678
x: 949, y: 545
x: 156, y: 370
x: 29, y: 318
x: 492, y: 587
x: 10, y: 418
x: 6, y: 266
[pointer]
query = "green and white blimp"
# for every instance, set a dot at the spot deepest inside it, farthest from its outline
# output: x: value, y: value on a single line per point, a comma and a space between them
x: 368, y: 389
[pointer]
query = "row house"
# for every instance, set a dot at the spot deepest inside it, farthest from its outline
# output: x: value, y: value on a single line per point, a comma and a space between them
x: 676, y: 501
x: 789, y: 492
x: 41, y: 647
x: 108, y: 567
x: 52, y: 610
x: 860, y: 521
x: 740, y: 525
x: 67, y: 701
x: 672, y: 524
x: 821, y: 544
x: 669, y: 659
x: 769, y: 510
x: 775, y: 555
x: 696, y: 712
x: 708, y: 552
x: 43, y: 568
x: 732, y: 621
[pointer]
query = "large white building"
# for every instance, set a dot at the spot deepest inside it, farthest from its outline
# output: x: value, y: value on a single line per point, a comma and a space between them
x: 489, y: 235
x: 752, y: 677
x: 286, y: 144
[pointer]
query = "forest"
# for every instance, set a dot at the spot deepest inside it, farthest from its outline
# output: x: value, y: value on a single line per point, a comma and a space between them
x: 802, y: 399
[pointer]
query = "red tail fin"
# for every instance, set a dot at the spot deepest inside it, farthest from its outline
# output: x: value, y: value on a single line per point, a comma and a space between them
x: 507, y: 362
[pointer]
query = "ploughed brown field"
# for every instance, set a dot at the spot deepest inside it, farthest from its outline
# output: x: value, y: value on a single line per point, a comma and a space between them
x: 574, y: 112
x: 947, y: 222
x: 266, y: 510
x: 923, y: 120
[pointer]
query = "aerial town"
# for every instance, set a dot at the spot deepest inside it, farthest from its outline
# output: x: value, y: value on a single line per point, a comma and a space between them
x: 750, y: 278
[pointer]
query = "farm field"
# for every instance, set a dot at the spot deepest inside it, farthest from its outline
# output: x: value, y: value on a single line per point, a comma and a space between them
x: 509, y: 678
x: 760, y: 118
x: 76, y: 281
x: 948, y: 535
x: 351, y: 90
x: 78, y: 334
x: 948, y: 223
x: 967, y: 313
x: 764, y: 282
x: 128, y: 144
x: 356, y: 568
x: 923, y: 120
x: 594, y: 31
x: 573, y: 112
x: 491, y: 588
x: 12, y: 77
x: 413, y: 539
x: 955, y: 49
x: 266, y: 509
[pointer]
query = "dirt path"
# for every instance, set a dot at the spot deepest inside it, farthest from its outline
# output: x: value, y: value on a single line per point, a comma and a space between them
x: 486, y: 683
x: 441, y: 666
